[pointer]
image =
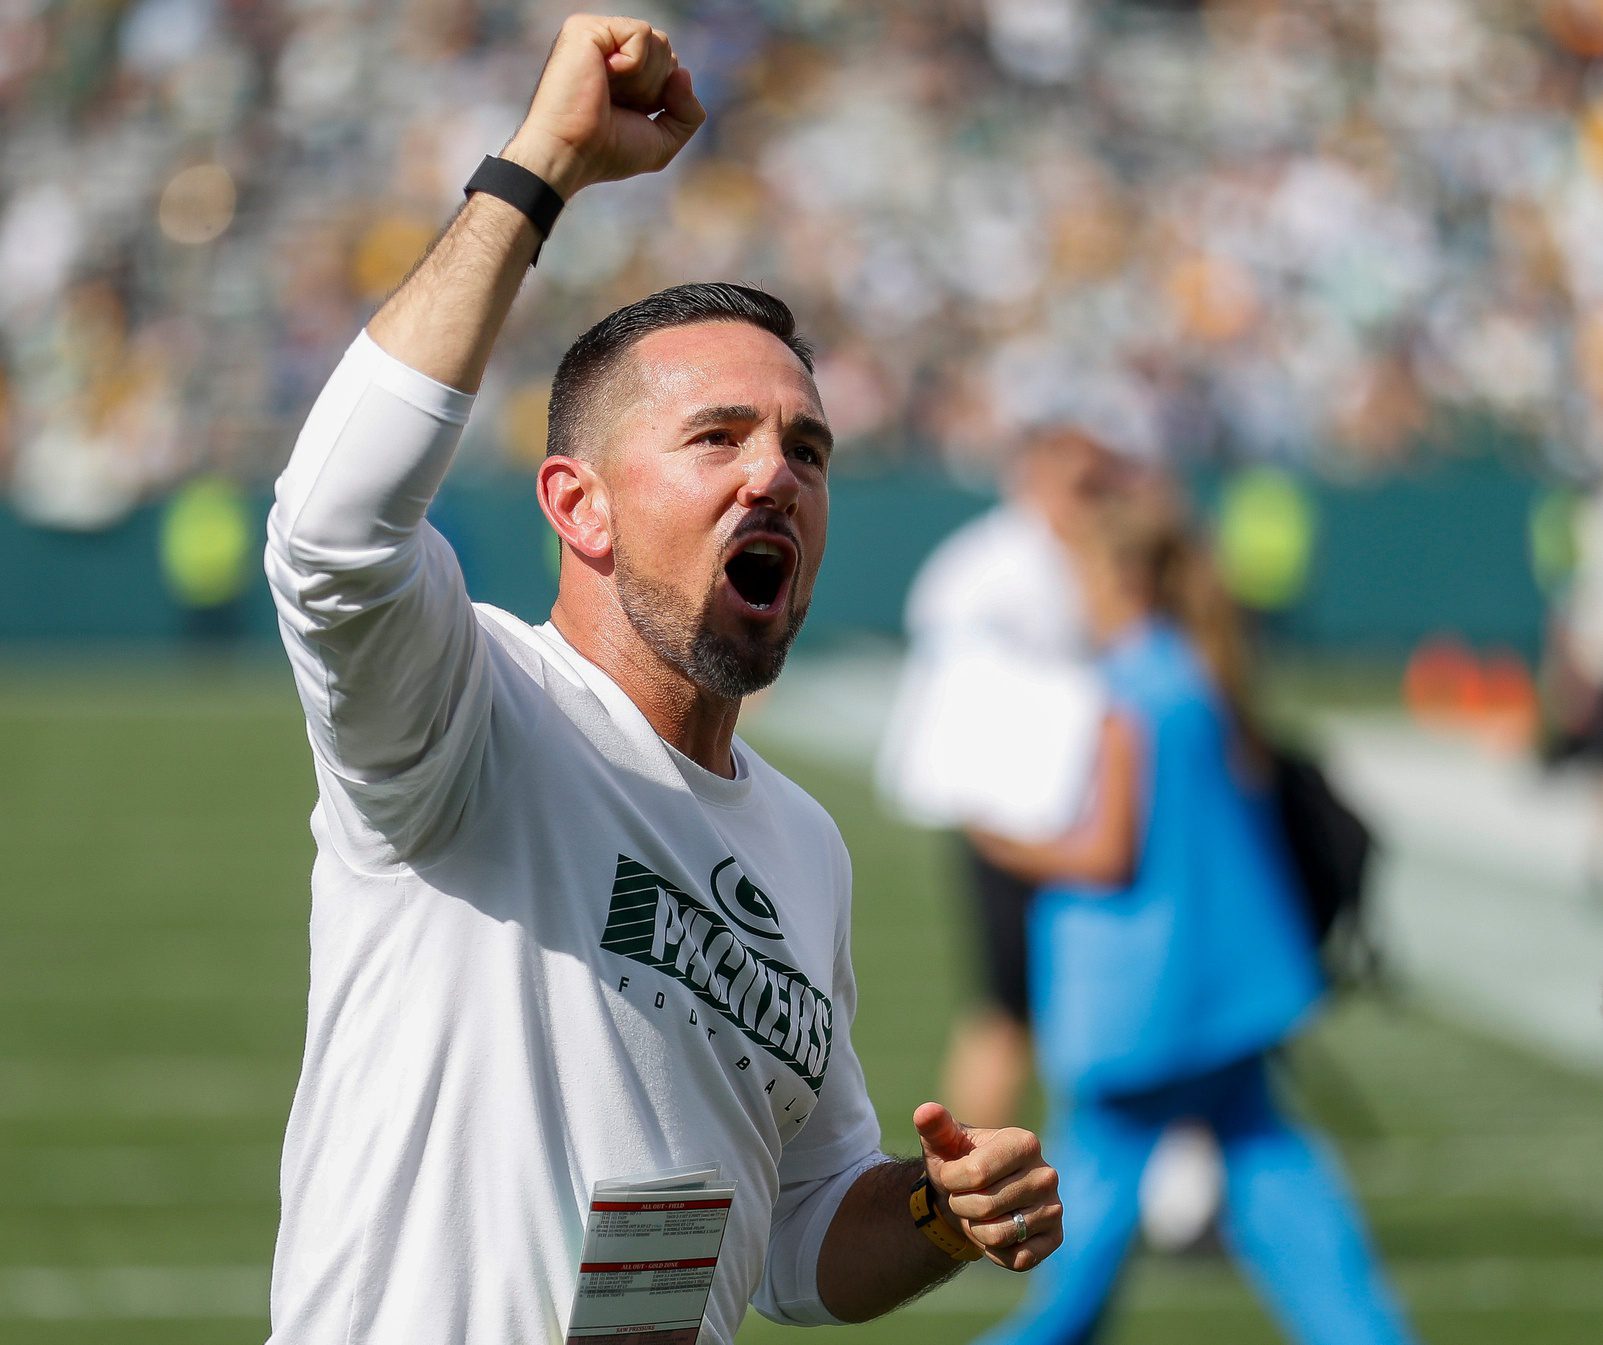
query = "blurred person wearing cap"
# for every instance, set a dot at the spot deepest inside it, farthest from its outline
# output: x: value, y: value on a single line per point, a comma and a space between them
x: 1170, y: 954
x: 996, y: 725
x: 995, y: 722
x: 566, y: 926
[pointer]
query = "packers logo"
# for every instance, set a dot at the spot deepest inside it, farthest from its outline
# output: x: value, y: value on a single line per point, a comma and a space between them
x: 744, y: 902
x: 654, y: 923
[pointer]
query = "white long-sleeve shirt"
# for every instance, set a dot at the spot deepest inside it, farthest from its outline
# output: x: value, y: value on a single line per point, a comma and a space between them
x: 546, y: 948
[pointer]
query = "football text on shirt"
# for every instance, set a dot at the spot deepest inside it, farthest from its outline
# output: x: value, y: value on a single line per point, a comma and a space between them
x: 779, y: 1009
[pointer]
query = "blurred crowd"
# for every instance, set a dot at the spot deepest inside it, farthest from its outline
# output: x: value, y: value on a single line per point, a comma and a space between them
x: 1312, y: 231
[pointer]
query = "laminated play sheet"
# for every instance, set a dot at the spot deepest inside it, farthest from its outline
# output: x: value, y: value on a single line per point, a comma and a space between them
x: 650, y: 1251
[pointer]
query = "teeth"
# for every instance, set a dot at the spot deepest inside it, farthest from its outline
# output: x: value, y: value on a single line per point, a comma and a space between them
x: 764, y: 549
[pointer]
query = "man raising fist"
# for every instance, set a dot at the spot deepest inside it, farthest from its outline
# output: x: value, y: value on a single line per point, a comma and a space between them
x: 566, y: 926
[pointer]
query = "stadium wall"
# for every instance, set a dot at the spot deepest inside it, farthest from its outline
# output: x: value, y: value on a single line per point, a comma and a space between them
x: 1443, y: 551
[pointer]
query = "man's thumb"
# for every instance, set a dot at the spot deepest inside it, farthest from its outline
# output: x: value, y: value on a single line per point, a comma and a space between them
x: 940, y: 1133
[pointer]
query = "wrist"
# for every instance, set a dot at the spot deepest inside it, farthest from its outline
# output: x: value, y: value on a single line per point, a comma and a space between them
x: 552, y: 160
x: 934, y: 1220
x: 941, y: 1203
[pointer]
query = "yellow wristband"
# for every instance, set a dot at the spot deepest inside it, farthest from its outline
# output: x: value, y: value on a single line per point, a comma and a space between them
x: 927, y: 1218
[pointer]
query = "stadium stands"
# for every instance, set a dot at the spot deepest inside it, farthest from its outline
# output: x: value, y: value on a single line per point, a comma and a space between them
x: 1315, y: 232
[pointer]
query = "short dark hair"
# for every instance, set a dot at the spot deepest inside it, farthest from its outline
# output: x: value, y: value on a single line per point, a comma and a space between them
x: 591, y: 359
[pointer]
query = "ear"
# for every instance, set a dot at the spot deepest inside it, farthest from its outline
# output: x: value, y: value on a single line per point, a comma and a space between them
x: 574, y: 498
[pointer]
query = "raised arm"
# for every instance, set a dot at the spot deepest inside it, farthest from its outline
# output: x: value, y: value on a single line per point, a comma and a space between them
x: 613, y: 102
x: 387, y: 655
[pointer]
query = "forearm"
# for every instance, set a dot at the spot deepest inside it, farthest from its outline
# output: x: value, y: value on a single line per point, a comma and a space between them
x: 991, y: 1188
x: 1080, y: 856
x: 873, y: 1258
x: 444, y: 319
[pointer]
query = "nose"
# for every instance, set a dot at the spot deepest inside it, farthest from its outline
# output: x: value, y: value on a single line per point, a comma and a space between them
x: 768, y: 480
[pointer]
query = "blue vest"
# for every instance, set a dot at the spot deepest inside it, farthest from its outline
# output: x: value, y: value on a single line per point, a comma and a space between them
x: 1205, y: 957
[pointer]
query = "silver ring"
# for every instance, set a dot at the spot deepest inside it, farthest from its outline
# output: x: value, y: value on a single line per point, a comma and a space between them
x: 1021, y: 1230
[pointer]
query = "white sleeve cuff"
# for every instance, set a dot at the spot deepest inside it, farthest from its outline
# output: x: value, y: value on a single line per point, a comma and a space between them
x: 788, y: 1293
x: 439, y: 400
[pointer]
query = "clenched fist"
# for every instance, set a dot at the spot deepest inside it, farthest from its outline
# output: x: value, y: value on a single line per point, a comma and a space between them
x: 612, y: 102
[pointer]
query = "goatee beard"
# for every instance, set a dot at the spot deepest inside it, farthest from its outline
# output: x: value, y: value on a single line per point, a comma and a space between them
x: 728, y: 666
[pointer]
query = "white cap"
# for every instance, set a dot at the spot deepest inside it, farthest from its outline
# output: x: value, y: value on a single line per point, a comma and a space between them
x: 1110, y: 407
x: 1038, y: 387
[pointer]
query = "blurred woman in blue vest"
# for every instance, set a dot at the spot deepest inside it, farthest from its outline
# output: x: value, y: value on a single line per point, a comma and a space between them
x: 1170, y: 955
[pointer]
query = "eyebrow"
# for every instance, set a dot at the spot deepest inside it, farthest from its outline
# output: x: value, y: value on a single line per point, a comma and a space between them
x: 809, y: 427
x: 812, y: 427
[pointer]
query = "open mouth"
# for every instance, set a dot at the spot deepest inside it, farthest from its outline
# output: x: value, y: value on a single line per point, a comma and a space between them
x: 759, y: 572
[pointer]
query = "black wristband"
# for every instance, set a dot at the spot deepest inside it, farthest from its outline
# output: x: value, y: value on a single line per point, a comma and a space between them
x: 520, y: 188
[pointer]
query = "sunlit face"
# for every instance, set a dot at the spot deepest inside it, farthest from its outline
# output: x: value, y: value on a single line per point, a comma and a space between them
x: 717, y: 474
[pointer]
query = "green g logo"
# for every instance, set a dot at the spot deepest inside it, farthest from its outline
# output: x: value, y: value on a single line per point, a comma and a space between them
x: 744, y: 902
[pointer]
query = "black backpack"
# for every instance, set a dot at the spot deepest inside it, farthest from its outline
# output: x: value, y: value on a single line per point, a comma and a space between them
x: 1330, y: 847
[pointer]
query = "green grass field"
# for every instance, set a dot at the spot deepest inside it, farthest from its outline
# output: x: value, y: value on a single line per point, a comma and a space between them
x: 152, y: 982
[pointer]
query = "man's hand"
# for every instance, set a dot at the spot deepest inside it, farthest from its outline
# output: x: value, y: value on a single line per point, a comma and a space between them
x: 874, y: 1257
x: 613, y: 102
x: 981, y: 1178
